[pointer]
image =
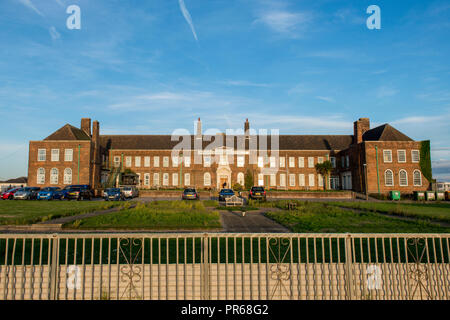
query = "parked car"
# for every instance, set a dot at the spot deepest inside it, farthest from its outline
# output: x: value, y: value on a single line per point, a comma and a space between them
x: 113, y: 194
x: 130, y: 191
x: 27, y: 193
x: 190, y: 194
x: 66, y: 189
x: 9, y: 194
x: 50, y: 193
x: 77, y: 193
x: 225, y: 193
x: 257, y: 193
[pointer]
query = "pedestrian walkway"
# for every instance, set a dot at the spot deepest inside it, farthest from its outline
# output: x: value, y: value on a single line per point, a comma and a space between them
x: 253, y: 221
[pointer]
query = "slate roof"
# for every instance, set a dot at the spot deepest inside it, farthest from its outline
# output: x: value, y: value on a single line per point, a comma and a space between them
x: 286, y: 142
x: 385, y: 132
x: 68, y: 132
x: 16, y: 180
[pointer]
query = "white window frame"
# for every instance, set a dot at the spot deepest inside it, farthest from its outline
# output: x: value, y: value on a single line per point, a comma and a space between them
x: 187, y: 161
x: 386, y: 180
x: 311, y: 180
x: 400, y: 178
x: 187, y: 179
x: 310, y: 162
x: 260, y: 162
x: 398, y: 156
x: 54, y: 155
x: 282, y: 180
x: 282, y: 162
x: 42, y: 155
x: 165, y: 162
x: 387, y: 156
x: 301, y: 180
x: 240, y: 161
x: 40, y: 176
x: 319, y: 180
x: 156, y: 162
x: 292, y: 180
x: 166, y: 179
x: 272, y: 162
x: 175, y: 161
x: 207, y: 179
x: 273, y: 180
x: 414, y: 178
x: 156, y: 181
x: 291, y: 162
x: 147, y: 179
x: 413, y: 153
x: 117, y: 161
x: 301, y: 162
x: 147, y: 161
x: 241, y: 178
x: 174, y: 179
x: 207, y: 162
x: 54, y: 175
x: 128, y: 161
x: 137, y: 161
x: 68, y: 155
x: 319, y: 159
x: 67, y: 176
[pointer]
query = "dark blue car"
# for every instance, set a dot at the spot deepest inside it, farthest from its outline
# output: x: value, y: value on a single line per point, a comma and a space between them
x: 50, y: 193
x: 113, y: 194
x: 225, y: 193
x: 66, y: 189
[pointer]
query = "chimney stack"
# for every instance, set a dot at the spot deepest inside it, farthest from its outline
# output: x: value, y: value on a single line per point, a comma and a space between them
x: 95, y: 131
x: 247, y: 127
x: 359, y: 128
x: 199, y: 128
x: 86, y: 125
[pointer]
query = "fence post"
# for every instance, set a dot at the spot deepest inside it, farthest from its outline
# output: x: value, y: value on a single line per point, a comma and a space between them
x: 54, y: 266
x: 349, y: 267
x: 205, y: 268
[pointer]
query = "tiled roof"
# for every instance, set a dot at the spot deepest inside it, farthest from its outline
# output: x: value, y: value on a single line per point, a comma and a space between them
x: 385, y: 132
x: 286, y: 142
x: 68, y: 132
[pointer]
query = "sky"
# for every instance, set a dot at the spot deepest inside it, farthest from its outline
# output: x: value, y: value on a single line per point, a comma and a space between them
x: 150, y: 67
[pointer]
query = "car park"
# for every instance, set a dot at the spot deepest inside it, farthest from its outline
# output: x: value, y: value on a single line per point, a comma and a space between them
x: 190, y: 194
x: 27, y: 193
x: 66, y: 189
x: 50, y: 193
x: 113, y: 194
x: 257, y: 193
x: 77, y: 193
x: 9, y: 194
x: 225, y: 193
x: 130, y: 191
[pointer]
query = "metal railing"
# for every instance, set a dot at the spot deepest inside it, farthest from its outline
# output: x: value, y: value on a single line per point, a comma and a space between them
x: 224, y: 266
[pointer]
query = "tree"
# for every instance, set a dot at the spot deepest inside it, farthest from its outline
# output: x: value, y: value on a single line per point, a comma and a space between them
x: 324, y: 169
x: 248, y: 179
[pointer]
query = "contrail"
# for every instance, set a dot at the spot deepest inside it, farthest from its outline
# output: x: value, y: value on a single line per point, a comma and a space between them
x: 30, y: 5
x: 188, y: 18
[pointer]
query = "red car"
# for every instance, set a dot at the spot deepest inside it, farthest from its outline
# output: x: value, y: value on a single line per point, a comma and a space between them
x: 9, y: 194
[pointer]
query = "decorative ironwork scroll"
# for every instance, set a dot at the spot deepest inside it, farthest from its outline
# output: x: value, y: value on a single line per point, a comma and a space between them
x: 417, y: 271
x: 130, y: 273
x: 280, y: 270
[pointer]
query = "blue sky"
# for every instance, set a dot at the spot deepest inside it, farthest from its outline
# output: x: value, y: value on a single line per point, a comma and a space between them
x: 305, y: 67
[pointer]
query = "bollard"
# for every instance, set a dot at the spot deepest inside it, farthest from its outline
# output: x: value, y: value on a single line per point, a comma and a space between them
x: 243, y: 213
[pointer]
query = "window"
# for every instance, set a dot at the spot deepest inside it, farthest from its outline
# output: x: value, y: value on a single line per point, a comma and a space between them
x: 165, y: 179
x: 146, y: 179
x: 273, y: 180
x: 342, y: 162
x: 156, y: 179
x: 156, y: 161
x: 187, y: 162
x: 260, y: 179
x: 207, y: 161
x: 282, y: 162
x: 388, y: 178
x: 55, y: 155
x: 67, y: 176
x: 40, y: 176
x: 207, y: 179
x: 347, y: 161
x: 415, y: 156
x: 175, y: 162
x: 311, y: 179
x: 403, y: 178
x: 260, y: 162
x: 310, y: 162
x: 273, y: 163
x: 137, y: 161
x: 283, y: 180
x: 54, y: 176
x: 165, y: 162
x: 128, y: 161
x: 116, y: 161
x: 417, y: 178
x: 68, y: 155
x: 301, y: 180
x: 301, y: 162
x: 139, y: 179
x: 292, y: 180
x: 174, y: 179
x: 319, y: 159
x: 387, y: 155
x: 401, y: 154
x: 333, y: 162
x: 240, y: 161
x: 41, y: 154
x: 291, y: 162
x: 187, y: 179
x: 240, y: 178
x: 319, y: 180
x: 147, y: 162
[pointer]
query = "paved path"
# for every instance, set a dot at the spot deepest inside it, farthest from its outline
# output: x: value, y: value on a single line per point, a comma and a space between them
x: 253, y: 221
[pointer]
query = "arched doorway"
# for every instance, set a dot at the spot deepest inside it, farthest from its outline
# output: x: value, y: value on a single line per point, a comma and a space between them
x: 223, y: 176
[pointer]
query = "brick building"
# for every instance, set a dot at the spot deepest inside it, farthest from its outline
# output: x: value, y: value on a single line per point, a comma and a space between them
x: 82, y: 156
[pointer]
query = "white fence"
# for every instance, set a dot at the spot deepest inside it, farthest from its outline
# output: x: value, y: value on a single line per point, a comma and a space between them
x: 224, y: 266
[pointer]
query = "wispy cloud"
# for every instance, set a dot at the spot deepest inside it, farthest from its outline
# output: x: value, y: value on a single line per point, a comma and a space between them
x: 349, y: 15
x: 245, y: 83
x: 188, y: 17
x: 327, y: 99
x: 30, y: 5
x: 385, y: 91
x: 292, y: 24
x: 54, y: 33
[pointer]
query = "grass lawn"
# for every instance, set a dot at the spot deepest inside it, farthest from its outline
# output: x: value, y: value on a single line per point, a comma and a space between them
x: 438, y: 211
x: 320, y: 217
x: 20, y: 212
x: 155, y: 215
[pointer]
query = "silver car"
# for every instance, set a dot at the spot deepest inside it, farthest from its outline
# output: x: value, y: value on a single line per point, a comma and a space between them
x: 26, y: 193
x: 130, y: 192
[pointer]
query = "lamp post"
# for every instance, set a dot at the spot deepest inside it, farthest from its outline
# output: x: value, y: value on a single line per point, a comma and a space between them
x: 181, y: 169
x: 365, y: 180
